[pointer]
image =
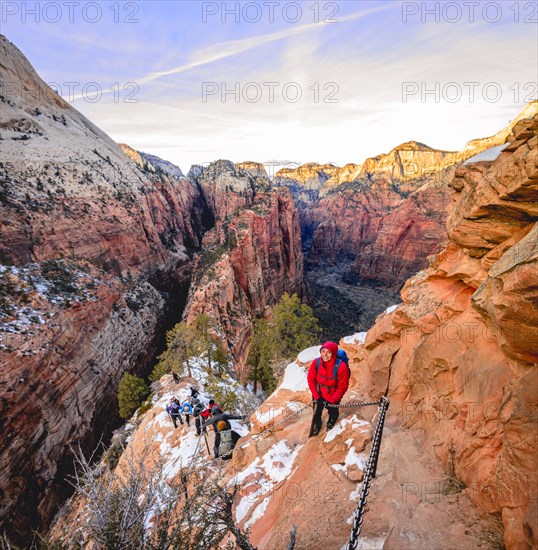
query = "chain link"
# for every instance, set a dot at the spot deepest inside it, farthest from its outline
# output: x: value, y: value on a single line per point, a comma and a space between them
x: 351, y: 405
x: 255, y: 436
x: 368, y: 474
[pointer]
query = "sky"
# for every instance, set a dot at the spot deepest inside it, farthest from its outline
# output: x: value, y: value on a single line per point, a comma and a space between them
x: 283, y: 82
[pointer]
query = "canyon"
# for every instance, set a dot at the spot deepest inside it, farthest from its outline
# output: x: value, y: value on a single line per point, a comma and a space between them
x: 366, y: 228
x: 99, y: 243
x: 457, y: 359
x: 104, y: 247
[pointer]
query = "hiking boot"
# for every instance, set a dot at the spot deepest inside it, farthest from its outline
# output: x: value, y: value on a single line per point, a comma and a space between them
x: 330, y: 425
x: 315, y: 430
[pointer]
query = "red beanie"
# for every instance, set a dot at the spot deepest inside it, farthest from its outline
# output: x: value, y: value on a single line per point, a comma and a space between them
x: 331, y: 346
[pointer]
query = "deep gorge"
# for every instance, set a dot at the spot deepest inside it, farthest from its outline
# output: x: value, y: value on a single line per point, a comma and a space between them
x: 103, y: 249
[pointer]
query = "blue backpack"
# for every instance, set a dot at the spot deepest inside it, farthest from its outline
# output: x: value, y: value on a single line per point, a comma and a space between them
x: 341, y: 357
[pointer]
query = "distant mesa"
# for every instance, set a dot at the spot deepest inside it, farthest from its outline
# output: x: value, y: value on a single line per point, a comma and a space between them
x: 151, y: 162
x: 253, y: 168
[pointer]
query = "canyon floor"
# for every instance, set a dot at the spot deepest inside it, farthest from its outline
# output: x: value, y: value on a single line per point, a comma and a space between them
x: 344, y: 308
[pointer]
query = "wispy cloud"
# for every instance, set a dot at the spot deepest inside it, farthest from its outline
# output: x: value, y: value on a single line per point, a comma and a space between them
x: 230, y: 48
x: 369, y: 54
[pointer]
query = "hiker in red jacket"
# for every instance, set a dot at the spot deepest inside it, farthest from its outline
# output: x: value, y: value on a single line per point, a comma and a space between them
x: 325, y: 388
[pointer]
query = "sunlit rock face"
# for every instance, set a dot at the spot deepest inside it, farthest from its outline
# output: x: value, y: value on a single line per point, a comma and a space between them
x: 93, y: 248
x: 380, y: 220
x: 459, y: 355
x: 251, y: 257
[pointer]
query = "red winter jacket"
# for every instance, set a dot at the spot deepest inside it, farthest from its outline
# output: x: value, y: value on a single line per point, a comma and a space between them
x: 337, y: 388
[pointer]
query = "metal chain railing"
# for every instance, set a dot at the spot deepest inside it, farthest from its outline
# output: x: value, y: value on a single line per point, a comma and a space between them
x: 351, y: 405
x: 259, y: 434
x: 255, y: 436
x: 371, y: 466
x: 296, y: 413
x: 369, y: 474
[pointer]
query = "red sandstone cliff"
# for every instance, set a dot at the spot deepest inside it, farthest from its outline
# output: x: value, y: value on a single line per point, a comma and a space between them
x: 381, y: 219
x: 84, y: 231
x: 459, y: 355
x: 250, y: 258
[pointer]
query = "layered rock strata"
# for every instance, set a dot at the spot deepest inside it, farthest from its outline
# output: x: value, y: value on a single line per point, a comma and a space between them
x: 250, y: 258
x: 94, y: 247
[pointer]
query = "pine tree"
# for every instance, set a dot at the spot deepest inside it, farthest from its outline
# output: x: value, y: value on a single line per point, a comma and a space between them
x: 202, y: 337
x: 132, y: 390
x: 294, y: 326
x: 220, y: 358
x: 180, y: 346
x: 260, y: 356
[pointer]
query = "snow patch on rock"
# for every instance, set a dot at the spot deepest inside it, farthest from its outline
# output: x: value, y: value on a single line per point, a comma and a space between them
x: 258, y: 512
x: 357, y: 338
x: 309, y: 354
x: 275, y: 466
x: 294, y: 379
x: 341, y: 426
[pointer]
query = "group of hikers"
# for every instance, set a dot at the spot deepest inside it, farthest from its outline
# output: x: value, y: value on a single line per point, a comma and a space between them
x: 212, y: 415
x: 328, y: 381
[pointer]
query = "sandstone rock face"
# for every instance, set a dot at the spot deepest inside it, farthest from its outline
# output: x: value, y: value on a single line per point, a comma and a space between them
x: 87, y: 231
x: 459, y: 355
x: 103, y: 206
x: 151, y: 162
x: 310, y: 176
x: 253, y: 168
x: 381, y: 219
x: 59, y: 377
x: 383, y: 235
x: 251, y: 257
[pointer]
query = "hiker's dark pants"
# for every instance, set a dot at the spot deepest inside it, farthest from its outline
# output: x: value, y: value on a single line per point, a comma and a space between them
x: 217, y: 444
x: 188, y: 419
x: 198, y: 423
x: 334, y: 412
x: 175, y: 418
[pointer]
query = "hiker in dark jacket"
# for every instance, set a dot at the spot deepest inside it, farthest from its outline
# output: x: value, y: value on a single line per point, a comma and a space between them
x: 194, y: 392
x: 200, y: 413
x: 225, y: 437
x: 174, y: 410
x: 228, y: 439
x: 325, y: 388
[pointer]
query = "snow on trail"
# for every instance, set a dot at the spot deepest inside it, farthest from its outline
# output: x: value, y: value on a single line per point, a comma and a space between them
x: 275, y: 466
x: 342, y: 424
